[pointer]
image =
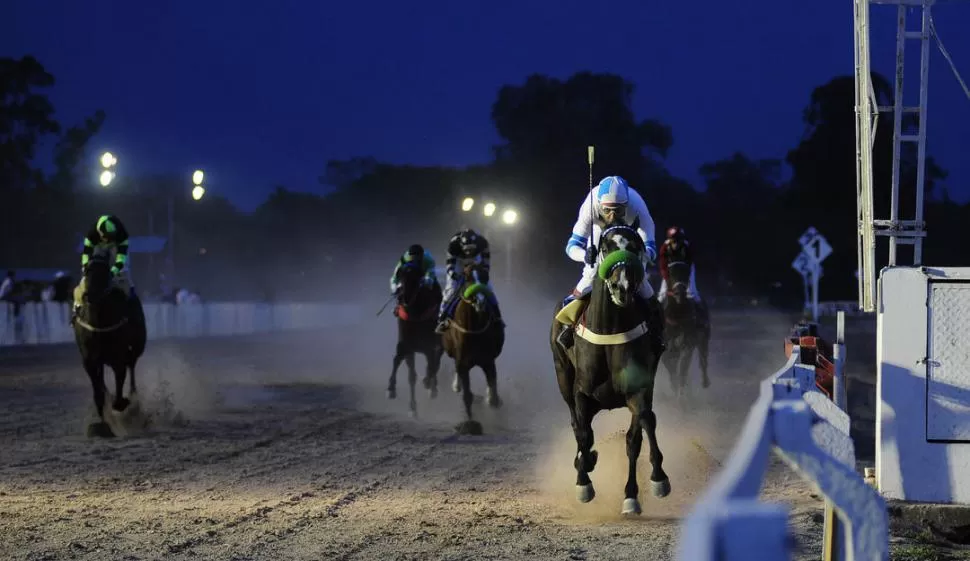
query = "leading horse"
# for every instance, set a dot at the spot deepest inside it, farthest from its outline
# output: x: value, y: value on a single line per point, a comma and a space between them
x: 417, y: 312
x: 108, y: 331
x: 473, y: 338
x: 612, y: 364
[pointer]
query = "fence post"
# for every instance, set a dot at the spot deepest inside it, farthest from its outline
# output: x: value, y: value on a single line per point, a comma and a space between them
x: 833, y: 530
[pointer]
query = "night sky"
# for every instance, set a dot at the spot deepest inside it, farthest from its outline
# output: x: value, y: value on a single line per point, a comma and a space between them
x: 264, y: 93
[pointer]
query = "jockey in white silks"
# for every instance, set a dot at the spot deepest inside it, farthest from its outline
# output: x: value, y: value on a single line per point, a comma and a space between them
x: 612, y: 199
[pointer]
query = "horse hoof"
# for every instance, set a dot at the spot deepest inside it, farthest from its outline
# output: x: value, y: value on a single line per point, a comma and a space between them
x: 493, y: 400
x: 631, y: 506
x: 120, y: 404
x: 585, y: 493
x: 414, y: 413
x: 433, y: 392
x: 473, y: 428
x: 660, y: 489
x: 706, y: 383
x: 391, y: 393
x: 456, y: 384
x: 426, y: 382
x: 100, y: 429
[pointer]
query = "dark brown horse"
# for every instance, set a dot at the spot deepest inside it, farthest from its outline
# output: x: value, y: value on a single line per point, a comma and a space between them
x: 417, y: 312
x: 110, y: 331
x: 611, y: 365
x: 475, y: 337
x: 687, y: 328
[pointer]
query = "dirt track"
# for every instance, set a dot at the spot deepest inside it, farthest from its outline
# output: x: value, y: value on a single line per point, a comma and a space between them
x: 286, y: 448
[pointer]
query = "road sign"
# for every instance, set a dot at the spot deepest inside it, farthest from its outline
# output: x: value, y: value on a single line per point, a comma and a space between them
x: 815, y: 244
x: 808, y: 236
x: 802, y: 263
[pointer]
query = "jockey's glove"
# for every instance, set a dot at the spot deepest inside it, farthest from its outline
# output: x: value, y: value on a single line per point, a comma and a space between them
x: 115, y: 271
x: 427, y: 281
x: 591, y: 255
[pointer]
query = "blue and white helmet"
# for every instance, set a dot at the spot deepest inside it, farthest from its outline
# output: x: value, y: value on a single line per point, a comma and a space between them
x: 612, y: 190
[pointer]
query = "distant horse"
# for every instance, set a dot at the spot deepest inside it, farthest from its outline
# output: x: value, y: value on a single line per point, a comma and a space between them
x: 688, y: 327
x: 473, y: 338
x: 417, y: 313
x: 612, y: 364
x: 108, y: 331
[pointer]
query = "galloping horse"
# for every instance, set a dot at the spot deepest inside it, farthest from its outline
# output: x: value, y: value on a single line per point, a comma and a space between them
x: 687, y: 327
x: 473, y: 338
x: 417, y: 312
x: 612, y: 364
x: 108, y: 331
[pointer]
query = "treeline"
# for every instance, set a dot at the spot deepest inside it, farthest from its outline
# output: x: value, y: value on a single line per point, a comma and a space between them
x: 743, y: 223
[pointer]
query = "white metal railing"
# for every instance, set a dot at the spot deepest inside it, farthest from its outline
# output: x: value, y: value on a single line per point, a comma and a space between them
x: 40, y: 323
x: 811, y: 433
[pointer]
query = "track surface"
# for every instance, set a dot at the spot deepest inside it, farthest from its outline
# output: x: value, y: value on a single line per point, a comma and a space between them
x: 285, y: 447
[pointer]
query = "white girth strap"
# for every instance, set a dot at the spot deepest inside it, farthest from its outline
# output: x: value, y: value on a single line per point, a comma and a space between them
x: 613, y: 339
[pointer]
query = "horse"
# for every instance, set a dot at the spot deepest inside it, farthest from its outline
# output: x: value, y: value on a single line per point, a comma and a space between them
x: 417, y: 312
x: 473, y: 338
x: 687, y: 328
x: 612, y: 364
x: 109, y: 331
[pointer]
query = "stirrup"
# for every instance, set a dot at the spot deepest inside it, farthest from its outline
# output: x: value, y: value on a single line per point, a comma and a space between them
x: 566, y: 337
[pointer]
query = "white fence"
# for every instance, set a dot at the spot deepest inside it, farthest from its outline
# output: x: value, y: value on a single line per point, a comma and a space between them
x: 47, y: 322
x: 811, y: 433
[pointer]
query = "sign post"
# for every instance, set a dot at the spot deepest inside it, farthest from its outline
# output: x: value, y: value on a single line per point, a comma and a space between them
x: 808, y: 263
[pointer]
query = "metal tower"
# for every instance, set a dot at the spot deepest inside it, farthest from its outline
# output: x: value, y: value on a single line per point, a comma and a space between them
x: 867, y: 109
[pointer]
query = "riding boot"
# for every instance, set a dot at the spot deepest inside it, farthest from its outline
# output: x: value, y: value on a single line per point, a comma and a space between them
x: 75, y: 311
x: 442, y: 323
x: 566, y: 337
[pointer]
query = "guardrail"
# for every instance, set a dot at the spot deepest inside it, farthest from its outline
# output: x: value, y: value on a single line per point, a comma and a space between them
x: 793, y: 417
x: 42, y: 323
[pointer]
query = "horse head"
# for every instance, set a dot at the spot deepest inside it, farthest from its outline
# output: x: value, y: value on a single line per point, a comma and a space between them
x: 97, y: 278
x: 621, y: 265
x: 476, y: 286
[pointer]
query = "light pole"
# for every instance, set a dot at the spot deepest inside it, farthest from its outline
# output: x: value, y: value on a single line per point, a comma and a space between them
x: 109, y: 161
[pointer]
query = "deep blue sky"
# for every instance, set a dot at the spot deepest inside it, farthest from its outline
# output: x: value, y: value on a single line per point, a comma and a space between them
x: 263, y: 93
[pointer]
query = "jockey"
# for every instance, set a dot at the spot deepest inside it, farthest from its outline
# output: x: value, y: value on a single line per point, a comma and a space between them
x: 613, y: 198
x: 107, y: 235
x: 676, y: 252
x: 421, y: 256
x: 465, y: 247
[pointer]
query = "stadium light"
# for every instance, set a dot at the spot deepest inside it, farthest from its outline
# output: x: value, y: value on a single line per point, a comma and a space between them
x: 467, y: 204
x: 510, y: 217
x: 489, y: 209
x: 106, y: 177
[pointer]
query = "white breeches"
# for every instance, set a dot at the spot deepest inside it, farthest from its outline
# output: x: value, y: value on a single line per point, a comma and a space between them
x: 585, y: 284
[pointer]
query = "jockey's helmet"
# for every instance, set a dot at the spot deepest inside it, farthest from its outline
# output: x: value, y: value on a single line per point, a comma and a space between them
x: 106, y: 227
x: 468, y: 240
x: 676, y: 233
x: 612, y: 195
x: 416, y: 251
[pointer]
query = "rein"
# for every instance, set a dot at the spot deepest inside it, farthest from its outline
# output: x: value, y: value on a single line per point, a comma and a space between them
x: 94, y: 329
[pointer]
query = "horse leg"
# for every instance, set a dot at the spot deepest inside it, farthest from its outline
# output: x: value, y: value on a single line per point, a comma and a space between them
x: 412, y: 382
x: 491, y: 379
x: 96, y: 375
x: 702, y: 355
x: 431, y: 375
x: 634, y: 441
x: 659, y: 483
x: 462, y: 373
x: 586, y: 457
x: 392, y: 383
x: 120, y: 401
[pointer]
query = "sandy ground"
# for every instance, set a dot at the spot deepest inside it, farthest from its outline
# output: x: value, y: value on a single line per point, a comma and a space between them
x: 285, y: 447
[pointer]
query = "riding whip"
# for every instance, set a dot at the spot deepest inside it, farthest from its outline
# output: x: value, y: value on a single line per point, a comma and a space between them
x: 379, y: 312
x: 589, y: 159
